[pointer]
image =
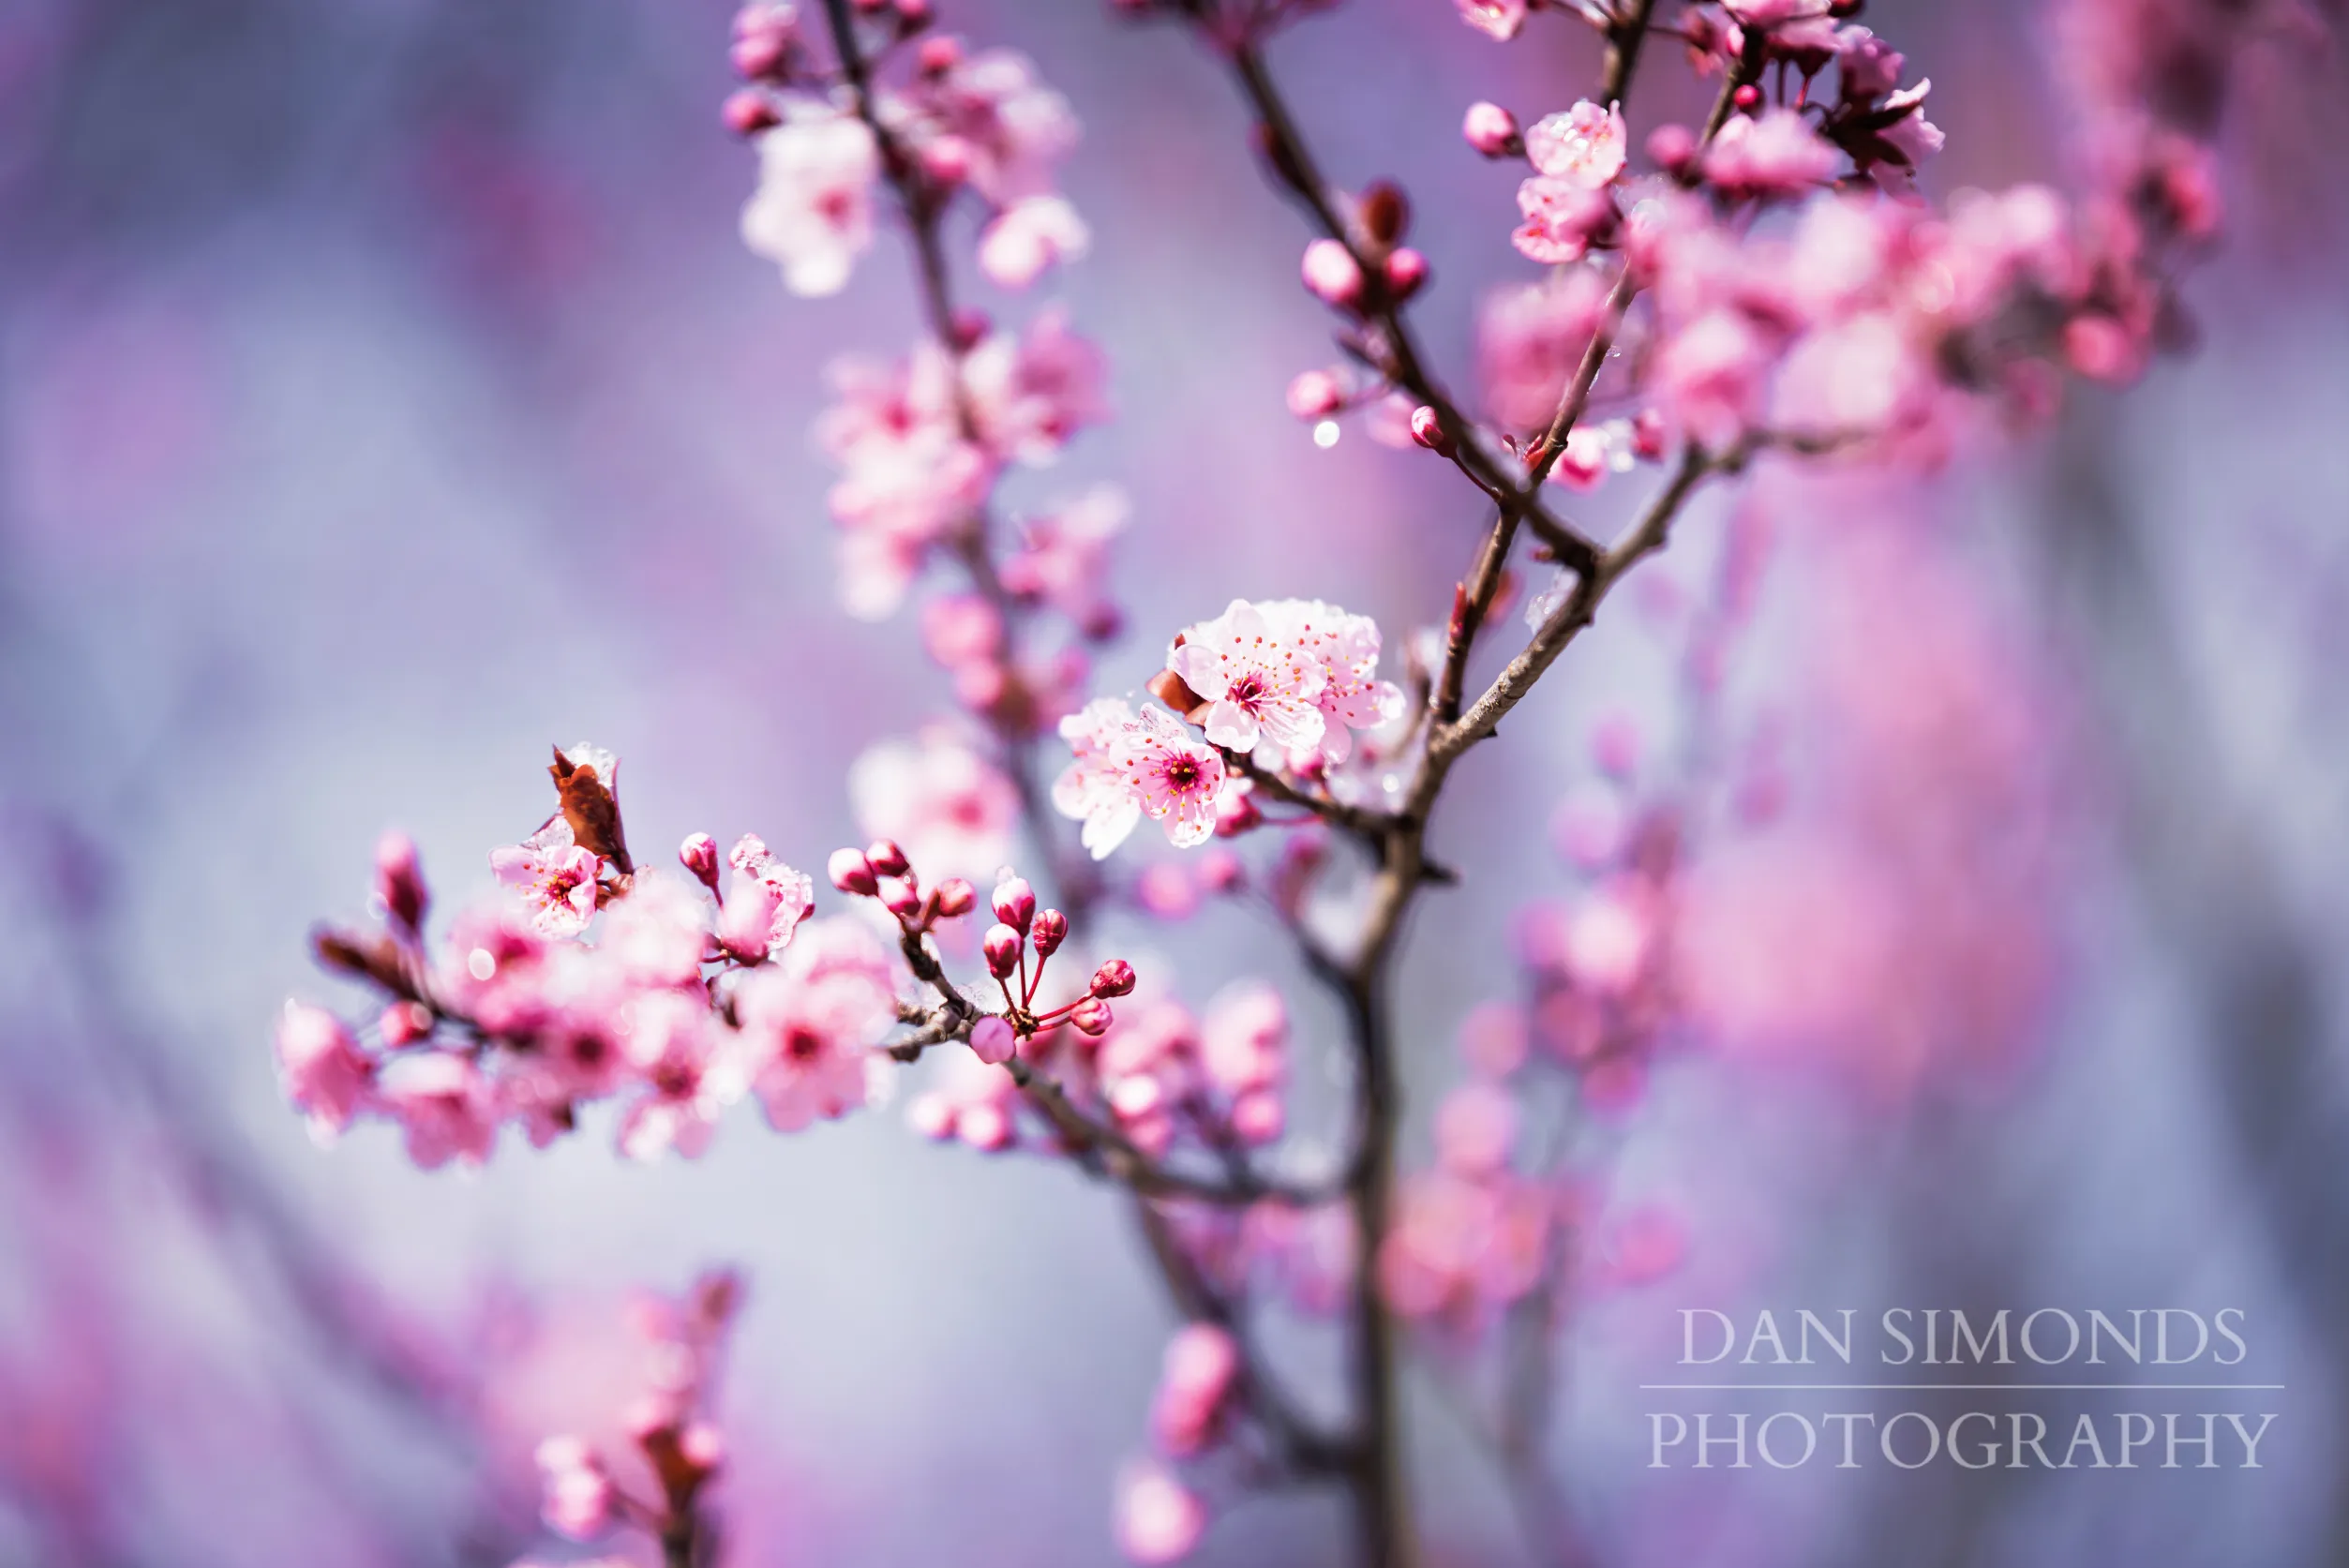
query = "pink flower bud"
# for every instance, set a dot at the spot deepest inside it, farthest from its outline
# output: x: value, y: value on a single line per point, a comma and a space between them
x: 946, y: 160
x: 914, y: 15
x: 1406, y: 270
x: 1220, y: 871
x: 1427, y: 428
x: 1050, y: 930
x: 971, y: 327
x: 900, y: 897
x: 1490, y: 129
x: 938, y: 55
x: 1647, y: 435
x: 748, y: 111
x: 1002, y: 947
x: 399, y: 880
x: 1016, y: 904
x: 1112, y: 978
x: 699, y: 854
x: 956, y: 897
x: 1159, y: 1518
x: 887, y: 858
x: 758, y: 55
x: 1090, y: 1016
x: 405, y: 1023
x: 1257, y: 1117
x: 1674, y: 149
x: 1315, y: 395
x: 700, y: 1446
x: 852, y: 874
x: 992, y: 1041
x: 1331, y: 273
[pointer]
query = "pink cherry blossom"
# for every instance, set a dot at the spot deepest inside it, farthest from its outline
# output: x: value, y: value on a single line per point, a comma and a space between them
x: 1159, y: 1520
x: 1091, y: 789
x: 1495, y: 19
x: 324, y: 1070
x: 1010, y: 129
x: 1531, y: 338
x: 690, y: 1068
x: 1351, y: 697
x: 810, y: 1022
x: 1775, y: 153
x: 1774, y: 13
x: 1200, y: 1367
x: 970, y: 1101
x: 1242, y: 1040
x: 765, y: 901
x: 950, y: 808
x: 578, y: 1493
x: 1030, y: 394
x: 1175, y: 781
x: 1028, y: 237
x: 908, y: 473
x: 1258, y: 681
x: 813, y: 211
x: 1709, y: 376
x: 1490, y: 129
x: 1062, y: 557
x: 444, y: 1107
x: 1585, y: 145
x: 555, y: 875
x: 1562, y: 217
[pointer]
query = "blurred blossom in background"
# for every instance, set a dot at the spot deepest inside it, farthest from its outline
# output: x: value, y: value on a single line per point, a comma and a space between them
x: 385, y: 393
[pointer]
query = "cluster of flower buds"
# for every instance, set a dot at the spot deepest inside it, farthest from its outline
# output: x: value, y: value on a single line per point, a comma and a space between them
x: 1021, y: 931
x: 881, y: 871
x: 673, y: 1450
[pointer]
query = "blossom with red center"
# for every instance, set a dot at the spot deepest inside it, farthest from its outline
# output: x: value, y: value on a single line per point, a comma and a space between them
x: 1029, y: 394
x: 812, y: 214
x: 1175, y: 779
x: 555, y: 876
x: 691, y: 1070
x: 810, y: 1023
x: 1259, y: 682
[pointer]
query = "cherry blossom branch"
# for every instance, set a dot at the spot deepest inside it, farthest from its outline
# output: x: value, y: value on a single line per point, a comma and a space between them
x: 1367, y: 827
x: 1293, y: 160
x: 1305, y: 1450
x: 1510, y: 686
x: 1102, y: 1146
x: 1625, y: 37
x: 1077, y: 884
x: 1474, y: 601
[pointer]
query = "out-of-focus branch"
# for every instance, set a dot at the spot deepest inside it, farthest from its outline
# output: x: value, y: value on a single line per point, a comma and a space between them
x: 1074, y: 878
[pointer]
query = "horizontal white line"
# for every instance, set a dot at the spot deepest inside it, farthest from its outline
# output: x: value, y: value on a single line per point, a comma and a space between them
x: 1974, y: 1387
